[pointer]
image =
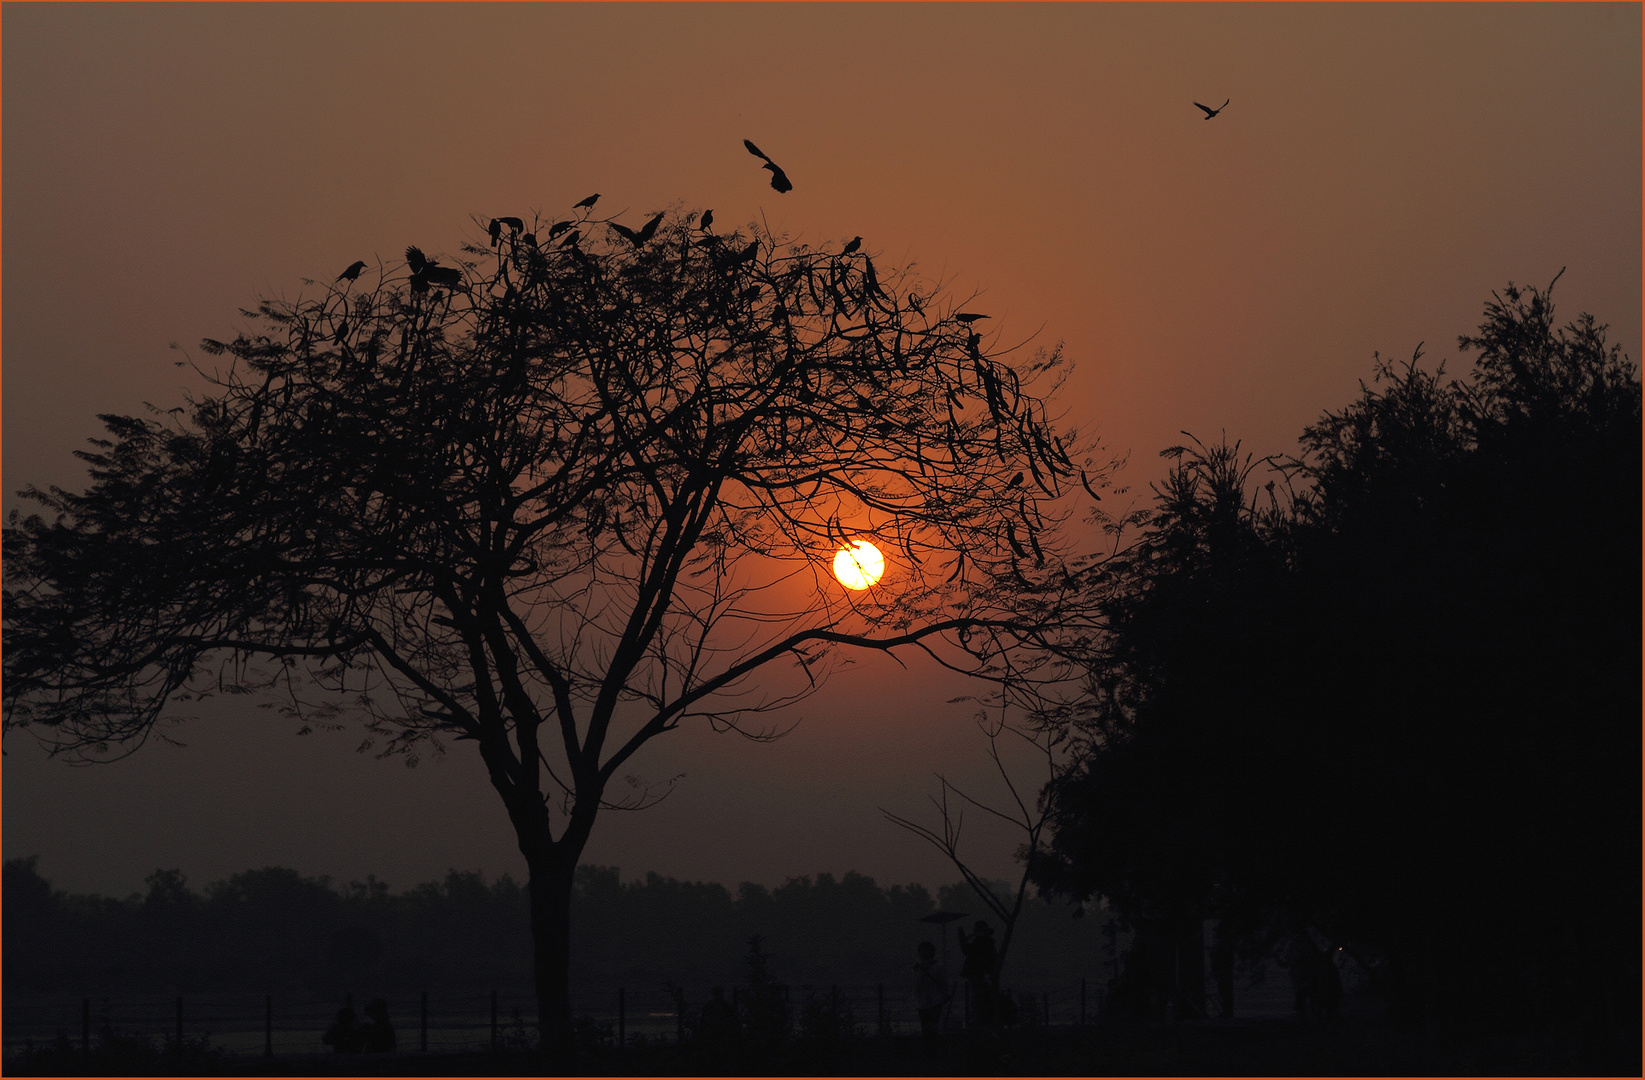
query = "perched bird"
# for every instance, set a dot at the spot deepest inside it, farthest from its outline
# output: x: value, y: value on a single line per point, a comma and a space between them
x: 353, y: 271
x: 449, y: 276
x: 646, y: 231
x: 559, y: 227
x: 856, y: 242
x: 967, y: 317
x: 708, y: 219
x: 513, y: 222
x: 495, y: 231
x: 571, y: 238
x: 1015, y: 480
x: 1210, y: 112
x: 588, y: 202
x: 779, y: 179
x: 751, y: 293
x: 528, y: 239
x: 749, y: 251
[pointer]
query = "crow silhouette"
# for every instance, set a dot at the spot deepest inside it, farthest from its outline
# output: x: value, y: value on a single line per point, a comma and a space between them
x: 495, y: 231
x: 708, y: 219
x: 559, y: 227
x: 856, y: 242
x: 353, y: 271
x: 415, y: 259
x: 1210, y: 112
x: 513, y: 222
x: 646, y: 231
x: 571, y: 238
x: 779, y: 179
x: 588, y: 202
x: 449, y: 276
x: 968, y: 318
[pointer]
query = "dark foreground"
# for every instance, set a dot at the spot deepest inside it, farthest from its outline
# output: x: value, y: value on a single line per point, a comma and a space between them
x: 1271, y: 1048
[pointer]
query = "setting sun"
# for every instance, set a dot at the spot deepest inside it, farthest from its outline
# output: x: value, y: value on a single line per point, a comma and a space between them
x: 859, y: 565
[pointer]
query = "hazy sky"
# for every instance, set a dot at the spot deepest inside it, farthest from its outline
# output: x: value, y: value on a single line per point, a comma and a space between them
x: 1379, y: 171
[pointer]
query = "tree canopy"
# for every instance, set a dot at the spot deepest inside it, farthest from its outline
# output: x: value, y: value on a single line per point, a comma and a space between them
x: 1391, y: 696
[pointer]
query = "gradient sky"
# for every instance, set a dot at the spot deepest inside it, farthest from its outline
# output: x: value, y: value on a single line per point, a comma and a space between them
x: 1379, y: 171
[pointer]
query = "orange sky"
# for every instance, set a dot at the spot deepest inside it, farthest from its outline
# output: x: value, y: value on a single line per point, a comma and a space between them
x: 1380, y: 169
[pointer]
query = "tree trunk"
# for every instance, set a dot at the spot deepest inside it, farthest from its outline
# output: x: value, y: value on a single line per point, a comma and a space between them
x: 552, y: 875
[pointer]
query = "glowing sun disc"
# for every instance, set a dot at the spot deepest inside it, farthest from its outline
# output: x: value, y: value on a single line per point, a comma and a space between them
x: 859, y: 565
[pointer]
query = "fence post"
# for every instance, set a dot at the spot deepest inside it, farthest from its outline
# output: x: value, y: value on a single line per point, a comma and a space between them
x: 1082, y: 1001
x: 494, y: 1021
x: 423, y: 1025
x: 85, y: 1027
x: 622, y: 1016
x: 179, y: 1024
x: 268, y: 1025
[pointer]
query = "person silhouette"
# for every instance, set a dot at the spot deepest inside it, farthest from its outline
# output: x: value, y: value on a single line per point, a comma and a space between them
x: 344, y: 1035
x: 981, y: 967
x: 717, y: 1025
x: 932, y: 993
x: 377, y: 1034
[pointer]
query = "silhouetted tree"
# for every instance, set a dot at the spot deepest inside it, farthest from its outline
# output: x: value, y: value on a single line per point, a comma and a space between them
x: 556, y: 510
x: 1399, y: 708
x: 1030, y: 818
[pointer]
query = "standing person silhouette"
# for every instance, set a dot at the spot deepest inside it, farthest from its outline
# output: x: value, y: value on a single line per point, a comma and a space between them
x: 982, y: 964
x: 932, y: 993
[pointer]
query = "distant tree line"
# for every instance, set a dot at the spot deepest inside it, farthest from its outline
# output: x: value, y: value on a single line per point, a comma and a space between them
x: 272, y: 929
x: 1384, y: 699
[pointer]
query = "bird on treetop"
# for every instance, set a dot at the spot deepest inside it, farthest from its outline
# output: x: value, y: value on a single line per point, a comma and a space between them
x: 495, y: 231
x: 856, y: 242
x: 646, y: 231
x: 353, y: 271
x: 1210, y: 112
x: 588, y: 202
x: 708, y: 219
x: 513, y: 222
x: 559, y: 227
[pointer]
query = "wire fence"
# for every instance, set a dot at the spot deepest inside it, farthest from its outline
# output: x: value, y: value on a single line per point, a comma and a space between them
x: 293, y: 1023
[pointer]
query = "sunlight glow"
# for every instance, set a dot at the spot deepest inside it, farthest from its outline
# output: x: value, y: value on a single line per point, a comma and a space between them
x: 859, y: 565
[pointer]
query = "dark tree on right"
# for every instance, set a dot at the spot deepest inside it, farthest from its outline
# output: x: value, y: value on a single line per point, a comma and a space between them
x: 1389, y: 702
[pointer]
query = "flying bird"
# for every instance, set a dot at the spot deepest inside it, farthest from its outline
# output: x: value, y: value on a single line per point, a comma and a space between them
x: 586, y: 203
x: 415, y: 259
x: 646, y: 231
x: 1210, y: 112
x: 353, y: 271
x: 856, y: 242
x: 779, y: 179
